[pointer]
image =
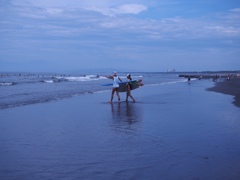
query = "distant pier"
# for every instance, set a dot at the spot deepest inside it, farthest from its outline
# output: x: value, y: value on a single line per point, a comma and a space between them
x: 209, y: 76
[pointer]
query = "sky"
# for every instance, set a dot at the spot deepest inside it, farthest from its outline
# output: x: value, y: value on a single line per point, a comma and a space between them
x: 125, y: 35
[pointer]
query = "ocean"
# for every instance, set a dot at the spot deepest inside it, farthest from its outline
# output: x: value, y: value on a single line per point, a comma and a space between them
x: 19, y: 89
x: 56, y: 126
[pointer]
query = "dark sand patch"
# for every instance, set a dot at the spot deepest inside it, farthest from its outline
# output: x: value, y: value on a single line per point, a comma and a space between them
x: 231, y: 87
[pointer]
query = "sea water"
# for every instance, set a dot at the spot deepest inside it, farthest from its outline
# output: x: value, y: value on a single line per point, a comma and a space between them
x: 19, y: 89
x: 176, y: 130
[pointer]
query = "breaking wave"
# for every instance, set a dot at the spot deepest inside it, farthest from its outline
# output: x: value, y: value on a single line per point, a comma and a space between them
x: 6, y: 83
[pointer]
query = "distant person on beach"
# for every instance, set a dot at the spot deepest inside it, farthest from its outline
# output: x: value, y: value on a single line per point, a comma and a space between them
x: 115, y: 88
x: 189, y: 79
x: 228, y: 78
x: 215, y: 78
x: 128, y: 85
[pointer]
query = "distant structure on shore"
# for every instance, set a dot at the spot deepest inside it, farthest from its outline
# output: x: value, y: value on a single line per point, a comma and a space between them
x: 171, y: 70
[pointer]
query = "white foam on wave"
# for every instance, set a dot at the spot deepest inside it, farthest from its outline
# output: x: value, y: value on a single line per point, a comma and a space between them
x: 78, y: 78
x: 92, y: 76
x: 174, y: 82
x: 166, y: 83
x: 6, y: 84
x: 102, y: 77
x: 48, y: 81
x: 102, y: 91
x: 82, y: 78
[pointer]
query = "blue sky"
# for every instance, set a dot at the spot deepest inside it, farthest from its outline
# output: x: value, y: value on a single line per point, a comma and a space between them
x: 131, y: 35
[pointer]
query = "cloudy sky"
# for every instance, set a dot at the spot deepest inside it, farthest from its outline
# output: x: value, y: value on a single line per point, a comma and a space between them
x: 139, y: 35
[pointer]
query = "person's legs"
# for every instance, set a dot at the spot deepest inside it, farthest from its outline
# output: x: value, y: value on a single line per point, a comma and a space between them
x: 112, y: 95
x: 132, y: 98
x: 129, y: 94
x: 117, y: 94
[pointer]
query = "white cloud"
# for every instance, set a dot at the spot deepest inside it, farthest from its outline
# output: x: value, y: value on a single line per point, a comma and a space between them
x: 49, y: 3
x: 54, y: 11
x: 235, y: 10
x: 77, y: 21
x: 75, y: 3
x: 123, y: 9
x: 230, y: 31
x: 113, y: 31
x: 131, y: 9
x: 105, y: 7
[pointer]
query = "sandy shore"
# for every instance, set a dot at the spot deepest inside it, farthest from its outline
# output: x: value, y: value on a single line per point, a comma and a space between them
x: 175, y: 131
x: 231, y: 87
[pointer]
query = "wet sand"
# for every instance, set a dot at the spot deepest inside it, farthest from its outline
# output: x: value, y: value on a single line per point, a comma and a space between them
x: 175, y: 131
x: 231, y: 87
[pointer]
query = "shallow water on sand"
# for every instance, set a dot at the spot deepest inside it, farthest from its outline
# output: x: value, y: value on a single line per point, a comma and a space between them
x: 175, y: 131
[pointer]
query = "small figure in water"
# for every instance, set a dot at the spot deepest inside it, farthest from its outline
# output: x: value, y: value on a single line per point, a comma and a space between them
x: 129, y: 88
x: 115, y: 88
x: 189, y: 79
x: 228, y: 78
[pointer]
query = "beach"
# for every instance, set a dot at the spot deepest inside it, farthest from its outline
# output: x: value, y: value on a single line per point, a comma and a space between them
x: 173, y: 131
x: 231, y: 87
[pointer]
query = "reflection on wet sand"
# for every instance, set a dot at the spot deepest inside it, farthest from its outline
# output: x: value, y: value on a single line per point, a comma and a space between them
x: 125, y: 115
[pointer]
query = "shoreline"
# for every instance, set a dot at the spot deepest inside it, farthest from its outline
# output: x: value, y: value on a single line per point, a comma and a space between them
x: 231, y: 87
